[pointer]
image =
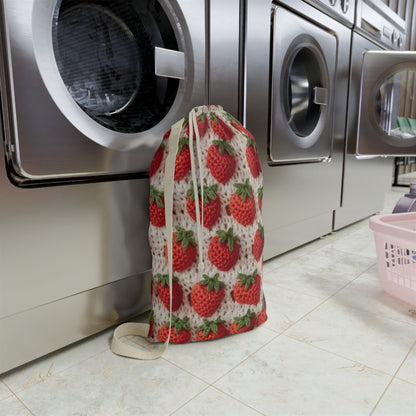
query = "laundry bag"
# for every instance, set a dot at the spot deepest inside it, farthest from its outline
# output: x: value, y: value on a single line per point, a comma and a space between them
x: 206, y: 234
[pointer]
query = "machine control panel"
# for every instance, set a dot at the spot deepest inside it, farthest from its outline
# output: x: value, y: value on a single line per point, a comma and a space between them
x: 379, y: 23
x: 342, y: 10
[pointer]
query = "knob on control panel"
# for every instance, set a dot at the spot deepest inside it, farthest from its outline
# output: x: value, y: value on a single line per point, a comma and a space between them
x: 399, y: 41
x: 345, y: 5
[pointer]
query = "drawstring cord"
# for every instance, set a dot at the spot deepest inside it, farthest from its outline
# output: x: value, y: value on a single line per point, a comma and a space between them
x: 194, y: 134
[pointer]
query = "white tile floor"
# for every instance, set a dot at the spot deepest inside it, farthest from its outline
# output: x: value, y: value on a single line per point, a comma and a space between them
x: 334, y: 344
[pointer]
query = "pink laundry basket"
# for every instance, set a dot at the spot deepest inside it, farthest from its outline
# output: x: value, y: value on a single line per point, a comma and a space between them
x: 395, y: 237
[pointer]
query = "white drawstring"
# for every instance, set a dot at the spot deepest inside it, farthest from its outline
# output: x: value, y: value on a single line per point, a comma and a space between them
x: 194, y: 133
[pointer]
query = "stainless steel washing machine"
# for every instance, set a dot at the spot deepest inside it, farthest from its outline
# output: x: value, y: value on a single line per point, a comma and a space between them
x: 295, y: 105
x: 380, y: 110
x: 88, y: 88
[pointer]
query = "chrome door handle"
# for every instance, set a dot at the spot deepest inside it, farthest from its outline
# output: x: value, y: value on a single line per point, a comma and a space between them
x: 320, y: 96
x: 169, y: 63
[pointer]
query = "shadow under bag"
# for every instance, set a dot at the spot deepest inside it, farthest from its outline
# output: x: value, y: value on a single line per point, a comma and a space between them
x: 206, y: 235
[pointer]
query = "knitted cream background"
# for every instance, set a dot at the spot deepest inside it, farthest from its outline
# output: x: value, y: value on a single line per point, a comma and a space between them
x: 229, y: 308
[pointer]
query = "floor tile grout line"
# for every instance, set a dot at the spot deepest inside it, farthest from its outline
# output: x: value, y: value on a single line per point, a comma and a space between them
x: 14, y: 395
x: 238, y: 400
x: 212, y: 384
x: 54, y: 374
x: 245, y: 359
x: 339, y: 355
x: 336, y: 293
x: 189, y: 401
x: 392, y: 379
x: 405, y: 381
x: 220, y: 391
x: 7, y: 387
x: 356, y: 308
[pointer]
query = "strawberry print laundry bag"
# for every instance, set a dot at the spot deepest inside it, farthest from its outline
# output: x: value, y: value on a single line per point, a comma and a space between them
x: 206, y: 234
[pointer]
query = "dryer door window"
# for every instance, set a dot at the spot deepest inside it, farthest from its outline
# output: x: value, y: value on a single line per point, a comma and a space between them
x: 303, y: 81
x: 104, y: 52
x: 387, y: 120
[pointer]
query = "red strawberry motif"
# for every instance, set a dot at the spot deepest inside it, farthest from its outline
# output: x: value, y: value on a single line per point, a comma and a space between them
x: 183, y: 250
x: 262, y: 315
x: 202, y: 124
x: 258, y: 242
x: 156, y: 207
x: 221, y: 128
x: 253, y: 158
x: 163, y: 291
x: 157, y: 159
x: 211, y: 330
x: 243, y: 323
x: 183, y: 159
x: 224, y: 250
x: 180, y: 333
x: 247, y: 288
x: 221, y: 161
x: 166, y: 135
x: 242, y: 205
x: 207, y: 295
x: 260, y: 196
x: 236, y: 124
x: 211, y: 208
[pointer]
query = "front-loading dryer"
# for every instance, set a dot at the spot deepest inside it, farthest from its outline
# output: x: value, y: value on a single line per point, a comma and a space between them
x: 89, y: 87
x: 380, y: 111
x: 295, y: 101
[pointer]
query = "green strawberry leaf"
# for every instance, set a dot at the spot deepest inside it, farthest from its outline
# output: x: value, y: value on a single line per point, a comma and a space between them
x: 212, y: 283
x: 244, y: 320
x: 261, y: 230
x: 202, y: 117
x: 185, y: 237
x: 227, y: 237
x: 156, y: 196
x: 182, y: 142
x: 247, y: 279
x: 209, y: 192
x: 251, y: 143
x: 191, y: 192
x: 209, y: 326
x: 223, y: 146
x: 178, y: 324
x: 163, y: 279
x: 232, y: 118
x: 244, y: 190
x: 214, y: 117
x: 260, y: 192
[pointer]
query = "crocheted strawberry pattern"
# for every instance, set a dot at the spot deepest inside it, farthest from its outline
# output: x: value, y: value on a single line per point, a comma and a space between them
x: 221, y: 293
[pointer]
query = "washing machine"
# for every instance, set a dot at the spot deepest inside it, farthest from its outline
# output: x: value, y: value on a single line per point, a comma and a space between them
x: 88, y: 88
x: 381, y: 112
x: 295, y: 104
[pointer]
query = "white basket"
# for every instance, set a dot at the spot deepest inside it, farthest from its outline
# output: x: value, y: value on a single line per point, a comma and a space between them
x: 395, y: 237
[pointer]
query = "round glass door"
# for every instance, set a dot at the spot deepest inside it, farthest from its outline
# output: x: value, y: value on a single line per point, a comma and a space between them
x: 304, y: 94
x: 105, y: 56
x: 395, y: 107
